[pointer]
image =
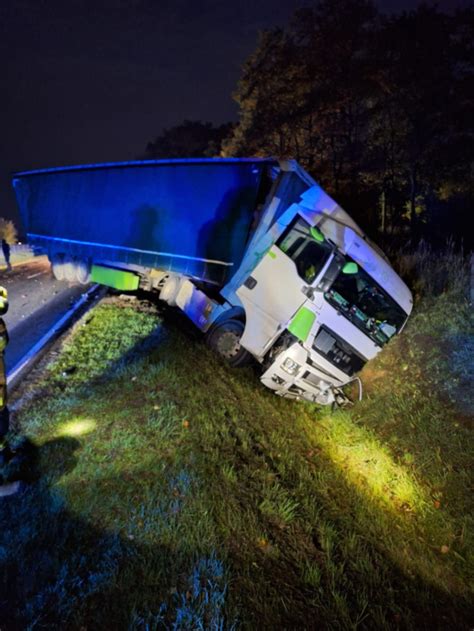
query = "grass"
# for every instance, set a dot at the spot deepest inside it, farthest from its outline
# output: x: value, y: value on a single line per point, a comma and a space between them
x: 176, y: 493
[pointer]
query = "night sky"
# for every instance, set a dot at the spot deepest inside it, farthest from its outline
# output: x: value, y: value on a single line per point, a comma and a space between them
x: 95, y: 81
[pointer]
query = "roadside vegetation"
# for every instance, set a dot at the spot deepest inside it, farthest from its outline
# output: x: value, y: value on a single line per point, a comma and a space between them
x: 8, y: 231
x: 173, y: 492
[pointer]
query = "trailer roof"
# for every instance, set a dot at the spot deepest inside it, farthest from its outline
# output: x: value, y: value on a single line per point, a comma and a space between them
x: 138, y: 163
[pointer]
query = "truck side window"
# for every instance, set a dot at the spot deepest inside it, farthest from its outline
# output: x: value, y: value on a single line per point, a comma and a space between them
x: 308, y: 254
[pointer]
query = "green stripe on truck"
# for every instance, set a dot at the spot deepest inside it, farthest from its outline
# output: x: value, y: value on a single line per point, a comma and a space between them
x: 116, y: 278
x: 301, y: 324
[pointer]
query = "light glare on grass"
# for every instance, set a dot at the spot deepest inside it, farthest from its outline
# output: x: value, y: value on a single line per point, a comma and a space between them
x: 367, y: 464
x: 77, y: 427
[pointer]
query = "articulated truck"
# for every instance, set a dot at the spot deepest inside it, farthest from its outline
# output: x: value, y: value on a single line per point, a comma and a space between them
x: 253, y: 251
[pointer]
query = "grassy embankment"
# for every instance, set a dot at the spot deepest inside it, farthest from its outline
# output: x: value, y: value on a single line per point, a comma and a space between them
x: 176, y: 492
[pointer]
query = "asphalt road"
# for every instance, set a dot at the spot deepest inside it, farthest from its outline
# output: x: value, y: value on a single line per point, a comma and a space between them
x: 37, y: 301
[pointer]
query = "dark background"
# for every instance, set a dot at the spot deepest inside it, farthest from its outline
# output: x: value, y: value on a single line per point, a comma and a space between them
x: 96, y: 81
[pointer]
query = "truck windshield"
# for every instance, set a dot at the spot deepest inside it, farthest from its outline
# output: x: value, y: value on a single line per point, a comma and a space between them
x: 358, y: 297
x: 309, y: 254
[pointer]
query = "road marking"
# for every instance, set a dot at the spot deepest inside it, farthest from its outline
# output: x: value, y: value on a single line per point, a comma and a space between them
x: 31, y: 354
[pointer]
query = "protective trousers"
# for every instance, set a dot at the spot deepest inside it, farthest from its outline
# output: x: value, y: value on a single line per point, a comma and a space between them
x: 4, y: 416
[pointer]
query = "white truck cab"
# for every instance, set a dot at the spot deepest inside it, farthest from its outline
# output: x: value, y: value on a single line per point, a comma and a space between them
x: 321, y: 301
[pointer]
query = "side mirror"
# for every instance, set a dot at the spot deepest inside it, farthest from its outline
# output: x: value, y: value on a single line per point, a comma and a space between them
x: 350, y: 268
x: 316, y: 234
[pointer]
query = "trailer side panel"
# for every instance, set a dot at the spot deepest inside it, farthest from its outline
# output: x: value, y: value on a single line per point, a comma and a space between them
x: 184, y: 215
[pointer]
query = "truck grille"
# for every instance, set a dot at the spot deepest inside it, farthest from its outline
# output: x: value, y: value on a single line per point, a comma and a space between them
x: 337, y: 351
x: 312, y: 380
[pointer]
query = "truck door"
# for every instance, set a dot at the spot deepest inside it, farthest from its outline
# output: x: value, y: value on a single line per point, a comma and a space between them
x: 280, y: 283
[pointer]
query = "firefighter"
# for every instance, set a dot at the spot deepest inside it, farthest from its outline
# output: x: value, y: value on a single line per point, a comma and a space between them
x: 15, y: 461
x: 4, y: 415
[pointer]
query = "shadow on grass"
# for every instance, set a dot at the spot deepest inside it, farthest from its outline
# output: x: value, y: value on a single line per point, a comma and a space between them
x: 58, y: 571
x: 43, y: 569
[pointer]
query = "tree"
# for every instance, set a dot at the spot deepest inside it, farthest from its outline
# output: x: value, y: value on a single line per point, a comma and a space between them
x: 377, y: 108
x: 270, y: 94
x: 8, y: 231
x: 190, y: 139
x: 305, y: 93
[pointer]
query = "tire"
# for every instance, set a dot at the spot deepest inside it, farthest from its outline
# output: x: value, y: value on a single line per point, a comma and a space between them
x: 70, y: 270
x: 83, y: 271
x: 224, y: 338
x: 57, y: 266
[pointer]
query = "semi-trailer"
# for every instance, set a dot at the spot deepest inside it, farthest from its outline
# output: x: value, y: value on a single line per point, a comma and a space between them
x: 253, y: 251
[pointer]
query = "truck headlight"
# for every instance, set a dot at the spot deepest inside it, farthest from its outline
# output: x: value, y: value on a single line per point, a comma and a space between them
x: 290, y: 366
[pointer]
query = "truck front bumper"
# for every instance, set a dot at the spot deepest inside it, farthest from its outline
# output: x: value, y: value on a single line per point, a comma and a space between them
x: 293, y: 377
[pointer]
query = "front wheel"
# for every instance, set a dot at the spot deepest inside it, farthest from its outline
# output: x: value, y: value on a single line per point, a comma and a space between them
x: 224, y: 338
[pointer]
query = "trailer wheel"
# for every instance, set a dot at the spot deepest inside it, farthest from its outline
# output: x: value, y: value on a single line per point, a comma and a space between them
x: 70, y: 270
x: 83, y: 271
x: 225, y: 337
x: 57, y: 266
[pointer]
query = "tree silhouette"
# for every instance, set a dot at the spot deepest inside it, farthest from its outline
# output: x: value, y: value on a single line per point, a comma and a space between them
x: 377, y: 108
x: 190, y: 139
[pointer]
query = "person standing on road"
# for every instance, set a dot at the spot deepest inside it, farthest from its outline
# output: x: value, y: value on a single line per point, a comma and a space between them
x: 6, y: 253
